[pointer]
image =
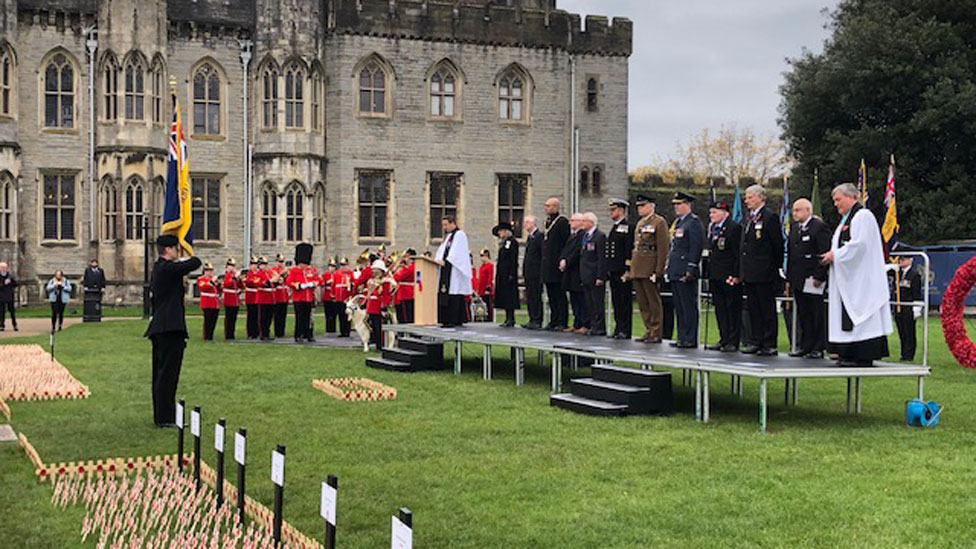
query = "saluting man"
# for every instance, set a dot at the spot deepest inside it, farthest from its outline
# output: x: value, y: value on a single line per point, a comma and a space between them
x: 231, y: 295
x: 208, y: 300
x: 687, y: 242
x: 620, y: 244
x: 647, y: 263
x: 506, y: 272
x: 167, y: 328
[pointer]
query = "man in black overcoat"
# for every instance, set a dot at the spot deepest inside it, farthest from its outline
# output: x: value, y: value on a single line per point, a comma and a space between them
x: 506, y: 272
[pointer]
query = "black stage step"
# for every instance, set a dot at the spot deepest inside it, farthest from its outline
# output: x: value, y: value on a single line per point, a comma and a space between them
x: 637, y: 399
x: 387, y: 364
x: 587, y: 406
x: 434, y: 350
x: 416, y: 359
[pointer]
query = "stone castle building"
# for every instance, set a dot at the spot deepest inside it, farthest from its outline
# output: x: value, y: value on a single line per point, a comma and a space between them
x: 345, y: 123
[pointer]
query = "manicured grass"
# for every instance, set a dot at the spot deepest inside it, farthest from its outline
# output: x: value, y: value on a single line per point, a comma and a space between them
x: 75, y: 308
x: 488, y: 464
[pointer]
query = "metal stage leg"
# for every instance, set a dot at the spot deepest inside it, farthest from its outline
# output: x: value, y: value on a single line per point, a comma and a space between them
x: 574, y: 361
x: 786, y: 391
x: 705, y: 397
x: 698, y: 395
x: 542, y: 358
x: 795, y: 392
x: 557, y: 372
x: 732, y: 382
x: 738, y: 384
x: 857, y: 395
x: 519, y: 366
x: 457, y: 357
x: 486, y: 363
x: 848, y: 395
x: 921, y: 387
x: 762, y: 405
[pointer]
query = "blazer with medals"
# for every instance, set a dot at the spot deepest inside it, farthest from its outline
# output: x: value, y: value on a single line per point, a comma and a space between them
x: 571, y: 253
x: 804, y: 248
x: 650, y: 252
x: 687, y: 244
x: 554, y: 239
x: 723, y: 250
x: 620, y: 245
x: 909, y: 287
x: 506, y: 274
x: 762, y: 248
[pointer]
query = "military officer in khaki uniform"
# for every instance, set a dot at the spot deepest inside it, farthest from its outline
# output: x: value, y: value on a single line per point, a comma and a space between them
x: 651, y: 242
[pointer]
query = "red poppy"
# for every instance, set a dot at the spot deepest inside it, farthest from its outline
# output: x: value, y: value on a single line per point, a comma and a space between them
x: 953, y: 305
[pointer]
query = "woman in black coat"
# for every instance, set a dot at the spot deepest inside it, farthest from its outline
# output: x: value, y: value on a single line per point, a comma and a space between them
x: 506, y: 273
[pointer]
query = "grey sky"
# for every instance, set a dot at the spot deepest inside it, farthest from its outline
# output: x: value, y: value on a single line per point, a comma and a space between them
x: 703, y: 63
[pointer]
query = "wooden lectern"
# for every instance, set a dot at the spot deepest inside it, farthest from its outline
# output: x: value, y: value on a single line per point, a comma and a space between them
x: 425, y: 292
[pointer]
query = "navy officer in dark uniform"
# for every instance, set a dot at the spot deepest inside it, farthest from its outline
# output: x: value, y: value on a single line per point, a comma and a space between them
x: 167, y: 328
x: 687, y: 242
x: 620, y: 244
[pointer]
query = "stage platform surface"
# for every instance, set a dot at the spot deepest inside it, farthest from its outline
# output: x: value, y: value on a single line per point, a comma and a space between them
x: 696, y: 364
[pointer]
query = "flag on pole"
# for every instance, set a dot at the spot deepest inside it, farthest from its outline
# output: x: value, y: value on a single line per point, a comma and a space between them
x: 713, y: 194
x: 815, y: 194
x: 784, y: 215
x: 737, y: 206
x: 889, y: 230
x: 862, y: 184
x: 177, y: 208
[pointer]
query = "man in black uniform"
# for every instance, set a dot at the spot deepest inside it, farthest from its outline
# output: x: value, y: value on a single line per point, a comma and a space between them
x: 683, y: 270
x: 506, y: 273
x: 906, y: 287
x: 593, y: 272
x: 555, y: 236
x: 7, y: 285
x: 723, y: 239
x: 808, y: 240
x: 762, y: 258
x: 620, y: 244
x: 569, y: 264
x: 532, y: 272
x: 167, y: 328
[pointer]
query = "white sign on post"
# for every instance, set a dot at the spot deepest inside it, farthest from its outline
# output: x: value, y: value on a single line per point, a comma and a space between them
x: 278, y: 468
x: 401, y: 536
x: 179, y: 415
x: 219, y: 437
x: 239, y: 443
x: 328, y: 506
x: 195, y: 423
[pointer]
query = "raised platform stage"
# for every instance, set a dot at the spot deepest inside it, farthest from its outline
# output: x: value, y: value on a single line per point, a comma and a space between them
x: 696, y: 363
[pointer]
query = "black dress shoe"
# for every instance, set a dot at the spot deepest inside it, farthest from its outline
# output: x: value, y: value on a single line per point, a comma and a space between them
x: 713, y: 347
x: 729, y: 348
x: 531, y: 326
x: 816, y: 355
x: 592, y: 333
x: 768, y: 351
x: 643, y: 339
x: 673, y: 344
x: 798, y: 354
x: 621, y: 336
x: 750, y: 350
x: 311, y: 340
x: 686, y: 345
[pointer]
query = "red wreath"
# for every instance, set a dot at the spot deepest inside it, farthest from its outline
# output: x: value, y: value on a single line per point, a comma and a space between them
x: 953, y: 304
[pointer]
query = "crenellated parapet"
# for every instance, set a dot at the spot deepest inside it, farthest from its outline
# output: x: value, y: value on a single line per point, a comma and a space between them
x: 488, y: 24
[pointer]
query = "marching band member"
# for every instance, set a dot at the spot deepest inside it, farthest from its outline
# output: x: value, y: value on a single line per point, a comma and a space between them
x: 404, y: 277
x: 251, y: 300
x: 302, y: 279
x: 208, y: 300
x: 278, y: 273
x: 329, y: 303
x: 341, y: 291
x: 260, y: 279
x: 379, y: 294
x: 231, y: 294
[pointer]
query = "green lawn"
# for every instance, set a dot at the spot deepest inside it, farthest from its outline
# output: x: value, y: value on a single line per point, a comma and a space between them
x: 488, y: 464
x: 75, y: 309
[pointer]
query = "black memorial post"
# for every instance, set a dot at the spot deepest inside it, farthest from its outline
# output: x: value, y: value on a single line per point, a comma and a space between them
x: 195, y: 431
x: 219, y: 446
x: 278, y: 478
x: 240, y: 450
x: 179, y: 430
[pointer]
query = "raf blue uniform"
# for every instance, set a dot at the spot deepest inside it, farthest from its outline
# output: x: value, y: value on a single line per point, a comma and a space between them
x: 687, y: 240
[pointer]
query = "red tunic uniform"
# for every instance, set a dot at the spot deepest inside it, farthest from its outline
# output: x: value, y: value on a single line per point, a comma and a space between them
x: 326, y: 282
x: 250, y: 292
x: 486, y: 279
x: 231, y: 292
x: 364, y: 276
x: 280, y: 287
x: 404, y: 277
x: 302, y: 283
x: 208, y: 292
x: 378, y: 299
x: 261, y: 282
x: 342, y: 285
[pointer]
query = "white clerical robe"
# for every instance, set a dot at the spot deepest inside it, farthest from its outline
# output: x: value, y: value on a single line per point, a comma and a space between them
x: 460, y: 259
x: 857, y: 278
